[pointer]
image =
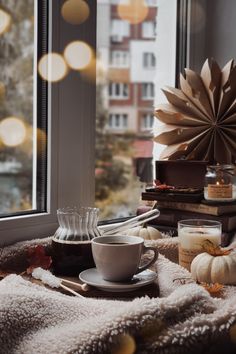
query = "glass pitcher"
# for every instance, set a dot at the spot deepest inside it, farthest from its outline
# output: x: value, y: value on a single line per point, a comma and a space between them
x: 77, y: 224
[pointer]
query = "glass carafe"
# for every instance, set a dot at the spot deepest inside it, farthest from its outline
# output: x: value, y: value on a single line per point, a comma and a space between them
x: 71, y: 244
x: 77, y: 224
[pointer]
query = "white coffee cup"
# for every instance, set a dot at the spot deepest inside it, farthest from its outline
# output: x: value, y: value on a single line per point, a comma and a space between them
x: 117, y: 258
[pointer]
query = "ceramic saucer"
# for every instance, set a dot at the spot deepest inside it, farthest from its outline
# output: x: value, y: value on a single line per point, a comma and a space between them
x: 92, y: 277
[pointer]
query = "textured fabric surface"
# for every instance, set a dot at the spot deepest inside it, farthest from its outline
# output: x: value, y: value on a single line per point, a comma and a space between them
x: 185, y: 319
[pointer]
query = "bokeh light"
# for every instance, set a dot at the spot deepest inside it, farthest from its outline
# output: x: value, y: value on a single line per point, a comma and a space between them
x: 75, y: 12
x: 12, y: 131
x: 52, y: 67
x: 41, y: 138
x: 78, y: 55
x: 133, y: 11
x: 2, y: 91
x: 95, y: 72
x: 125, y: 345
x: 5, y: 21
x: 41, y: 142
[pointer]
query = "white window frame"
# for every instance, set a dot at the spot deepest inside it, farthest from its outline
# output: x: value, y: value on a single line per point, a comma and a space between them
x: 120, y: 28
x: 119, y: 59
x: 113, y: 86
x: 122, y: 119
x: 147, y: 121
x: 148, y: 90
x: 149, y: 60
x: 70, y: 139
x: 148, y: 29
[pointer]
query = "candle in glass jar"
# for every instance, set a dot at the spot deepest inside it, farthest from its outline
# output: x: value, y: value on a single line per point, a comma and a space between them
x: 192, y: 234
x: 220, y: 183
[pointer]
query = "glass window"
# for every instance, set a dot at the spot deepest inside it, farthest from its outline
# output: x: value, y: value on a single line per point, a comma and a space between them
x: 148, y: 29
x: 118, y: 121
x: 119, y: 59
x: 123, y: 93
x: 149, y: 60
x: 23, y: 109
x: 118, y: 90
x: 148, y: 91
x: 119, y: 29
x: 147, y: 121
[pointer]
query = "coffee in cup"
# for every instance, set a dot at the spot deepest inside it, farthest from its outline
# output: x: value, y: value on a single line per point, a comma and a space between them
x: 118, y: 258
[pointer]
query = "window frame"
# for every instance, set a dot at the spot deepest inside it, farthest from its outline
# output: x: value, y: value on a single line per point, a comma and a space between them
x: 121, y: 118
x: 119, y: 59
x: 145, y: 29
x: 117, y: 90
x: 63, y: 189
x: 65, y: 155
x: 149, y: 60
x: 147, y: 120
x: 148, y: 88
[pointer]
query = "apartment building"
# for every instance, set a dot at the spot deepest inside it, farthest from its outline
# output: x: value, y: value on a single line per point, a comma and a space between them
x: 128, y: 52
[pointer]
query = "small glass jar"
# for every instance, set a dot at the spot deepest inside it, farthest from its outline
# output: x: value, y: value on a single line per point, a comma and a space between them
x: 220, y: 183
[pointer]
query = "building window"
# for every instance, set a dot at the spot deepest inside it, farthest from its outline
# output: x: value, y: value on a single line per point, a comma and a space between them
x: 148, y: 29
x: 118, y: 121
x: 119, y: 30
x: 147, y: 121
x: 148, y: 91
x: 151, y: 3
x: 149, y: 61
x: 119, y: 59
x: 118, y: 90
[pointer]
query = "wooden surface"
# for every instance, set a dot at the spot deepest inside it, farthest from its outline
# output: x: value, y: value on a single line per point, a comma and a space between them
x: 151, y: 290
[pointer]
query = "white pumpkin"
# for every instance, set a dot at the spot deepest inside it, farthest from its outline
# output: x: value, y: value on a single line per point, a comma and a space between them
x: 208, y: 268
x: 147, y: 233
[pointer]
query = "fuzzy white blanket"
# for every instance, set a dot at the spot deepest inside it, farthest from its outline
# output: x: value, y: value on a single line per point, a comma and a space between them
x: 185, y: 319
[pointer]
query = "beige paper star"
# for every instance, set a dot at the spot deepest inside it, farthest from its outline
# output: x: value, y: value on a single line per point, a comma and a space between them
x: 200, y: 118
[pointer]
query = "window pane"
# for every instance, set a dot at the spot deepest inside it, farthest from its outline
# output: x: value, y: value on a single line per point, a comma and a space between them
x: 19, y: 129
x: 124, y: 161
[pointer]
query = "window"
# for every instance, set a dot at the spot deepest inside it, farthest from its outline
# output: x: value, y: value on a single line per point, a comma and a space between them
x: 124, y: 151
x: 148, y: 91
x: 151, y: 2
x: 148, y: 29
x: 71, y: 146
x: 147, y: 121
x: 68, y: 139
x: 118, y: 90
x: 22, y: 159
x: 119, y: 29
x: 149, y: 61
x: 118, y: 121
x: 119, y: 59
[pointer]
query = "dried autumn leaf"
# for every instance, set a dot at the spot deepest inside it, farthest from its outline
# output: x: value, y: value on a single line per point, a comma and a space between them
x: 213, y: 289
x: 200, y: 117
x: 213, y: 249
x: 38, y: 258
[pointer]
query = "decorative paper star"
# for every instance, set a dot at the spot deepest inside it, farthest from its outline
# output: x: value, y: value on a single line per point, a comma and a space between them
x: 200, y: 118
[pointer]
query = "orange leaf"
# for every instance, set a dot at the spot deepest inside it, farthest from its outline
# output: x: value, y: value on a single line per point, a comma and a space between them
x: 38, y: 258
x: 213, y: 249
x: 213, y: 289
